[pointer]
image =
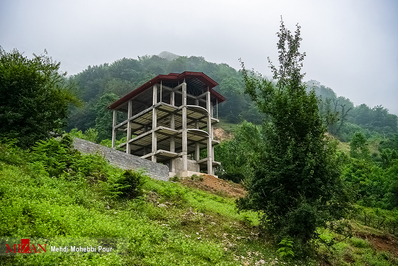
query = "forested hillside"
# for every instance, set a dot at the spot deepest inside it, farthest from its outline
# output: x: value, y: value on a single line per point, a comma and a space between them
x: 309, y: 199
x: 350, y: 118
x: 117, y: 79
x: 368, y: 165
x: 97, y: 86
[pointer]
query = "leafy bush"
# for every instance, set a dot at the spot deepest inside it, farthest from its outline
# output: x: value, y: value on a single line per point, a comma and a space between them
x: 239, y: 155
x: 34, y: 97
x: 175, y: 178
x: 129, y: 185
x: 359, y: 243
x: 196, y: 177
x: 10, y: 154
x: 371, y: 185
x: 90, y: 134
x: 55, y: 155
x: 359, y: 147
x: 108, y: 142
x: 286, y: 248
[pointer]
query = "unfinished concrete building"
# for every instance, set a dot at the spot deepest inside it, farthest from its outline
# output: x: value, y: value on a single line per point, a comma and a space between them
x: 169, y: 120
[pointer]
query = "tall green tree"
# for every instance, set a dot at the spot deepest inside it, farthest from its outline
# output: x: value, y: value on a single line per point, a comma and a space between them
x: 34, y: 97
x: 296, y: 185
x: 103, y: 121
x: 239, y: 154
x: 359, y: 147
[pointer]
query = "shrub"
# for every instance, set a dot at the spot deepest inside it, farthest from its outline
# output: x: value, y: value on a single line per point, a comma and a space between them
x: 128, y: 185
x: 34, y: 97
x: 196, y: 177
x: 286, y: 248
x: 175, y: 178
x: 90, y: 134
x: 359, y: 243
x: 11, y: 154
x: 53, y: 154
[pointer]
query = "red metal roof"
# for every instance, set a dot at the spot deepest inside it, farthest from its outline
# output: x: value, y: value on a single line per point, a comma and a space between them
x: 171, y: 77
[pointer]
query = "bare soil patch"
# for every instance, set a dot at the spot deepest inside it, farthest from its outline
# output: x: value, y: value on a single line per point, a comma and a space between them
x: 216, y: 186
x: 382, y: 242
x: 220, y: 134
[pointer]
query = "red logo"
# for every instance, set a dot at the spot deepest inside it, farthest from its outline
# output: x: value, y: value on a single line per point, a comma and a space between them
x: 25, y: 247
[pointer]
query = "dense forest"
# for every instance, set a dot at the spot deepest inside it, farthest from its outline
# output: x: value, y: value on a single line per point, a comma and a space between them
x: 119, y: 78
x: 350, y: 118
x: 97, y: 86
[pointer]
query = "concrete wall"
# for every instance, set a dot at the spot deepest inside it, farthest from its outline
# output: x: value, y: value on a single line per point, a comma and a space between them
x: 192, y: 166
x: 122, y: 159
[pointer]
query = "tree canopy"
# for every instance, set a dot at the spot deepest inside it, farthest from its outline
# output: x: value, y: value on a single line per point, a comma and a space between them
x: 350, y: 119
x: 34, y: 97
x: 127, y: 74
x: 296, y: 183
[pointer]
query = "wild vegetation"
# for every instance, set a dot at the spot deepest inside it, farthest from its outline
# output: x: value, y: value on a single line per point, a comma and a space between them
x: 98, y: 86
x: 53, y: 192
x: 348, y: 119
x: 296, y: 181
x: 34, y: 97
x: 345, y: 211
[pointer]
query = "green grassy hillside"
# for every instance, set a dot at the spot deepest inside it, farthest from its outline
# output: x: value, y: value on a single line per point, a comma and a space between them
x: 56, y: 193
x: 167, y: 225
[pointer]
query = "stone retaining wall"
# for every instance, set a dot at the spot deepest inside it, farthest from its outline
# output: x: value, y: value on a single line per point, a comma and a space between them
x: 122, y: 159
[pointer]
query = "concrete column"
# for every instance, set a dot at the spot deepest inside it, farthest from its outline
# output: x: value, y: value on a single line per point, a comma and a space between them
x: 172, y: 144
x: 210, y: 131
x: 172, y: 126
x: 154, y: 124
x: 172, y: 140
x: 172, y: 123
x: 184, y: 128
x: 154, y: 95
x: 129, y: 114
x: 217, y: 108
x: 197, y: 151
x: 212, y: 152
x: 172, y: 98
x: 161, y: 95
x: 113, y: 129
x: 197, y: 145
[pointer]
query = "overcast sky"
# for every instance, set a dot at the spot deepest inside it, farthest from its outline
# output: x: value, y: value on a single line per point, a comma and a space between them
x: 351, y: 46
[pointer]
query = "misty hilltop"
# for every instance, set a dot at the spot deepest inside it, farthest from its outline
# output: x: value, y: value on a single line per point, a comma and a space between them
x: 127, y: 74
x: 167, y: 55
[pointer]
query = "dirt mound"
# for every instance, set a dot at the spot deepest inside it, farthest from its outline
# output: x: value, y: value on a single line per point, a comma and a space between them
x: 215, y: 185
x: 382, y: 242
x: 220, y: 134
